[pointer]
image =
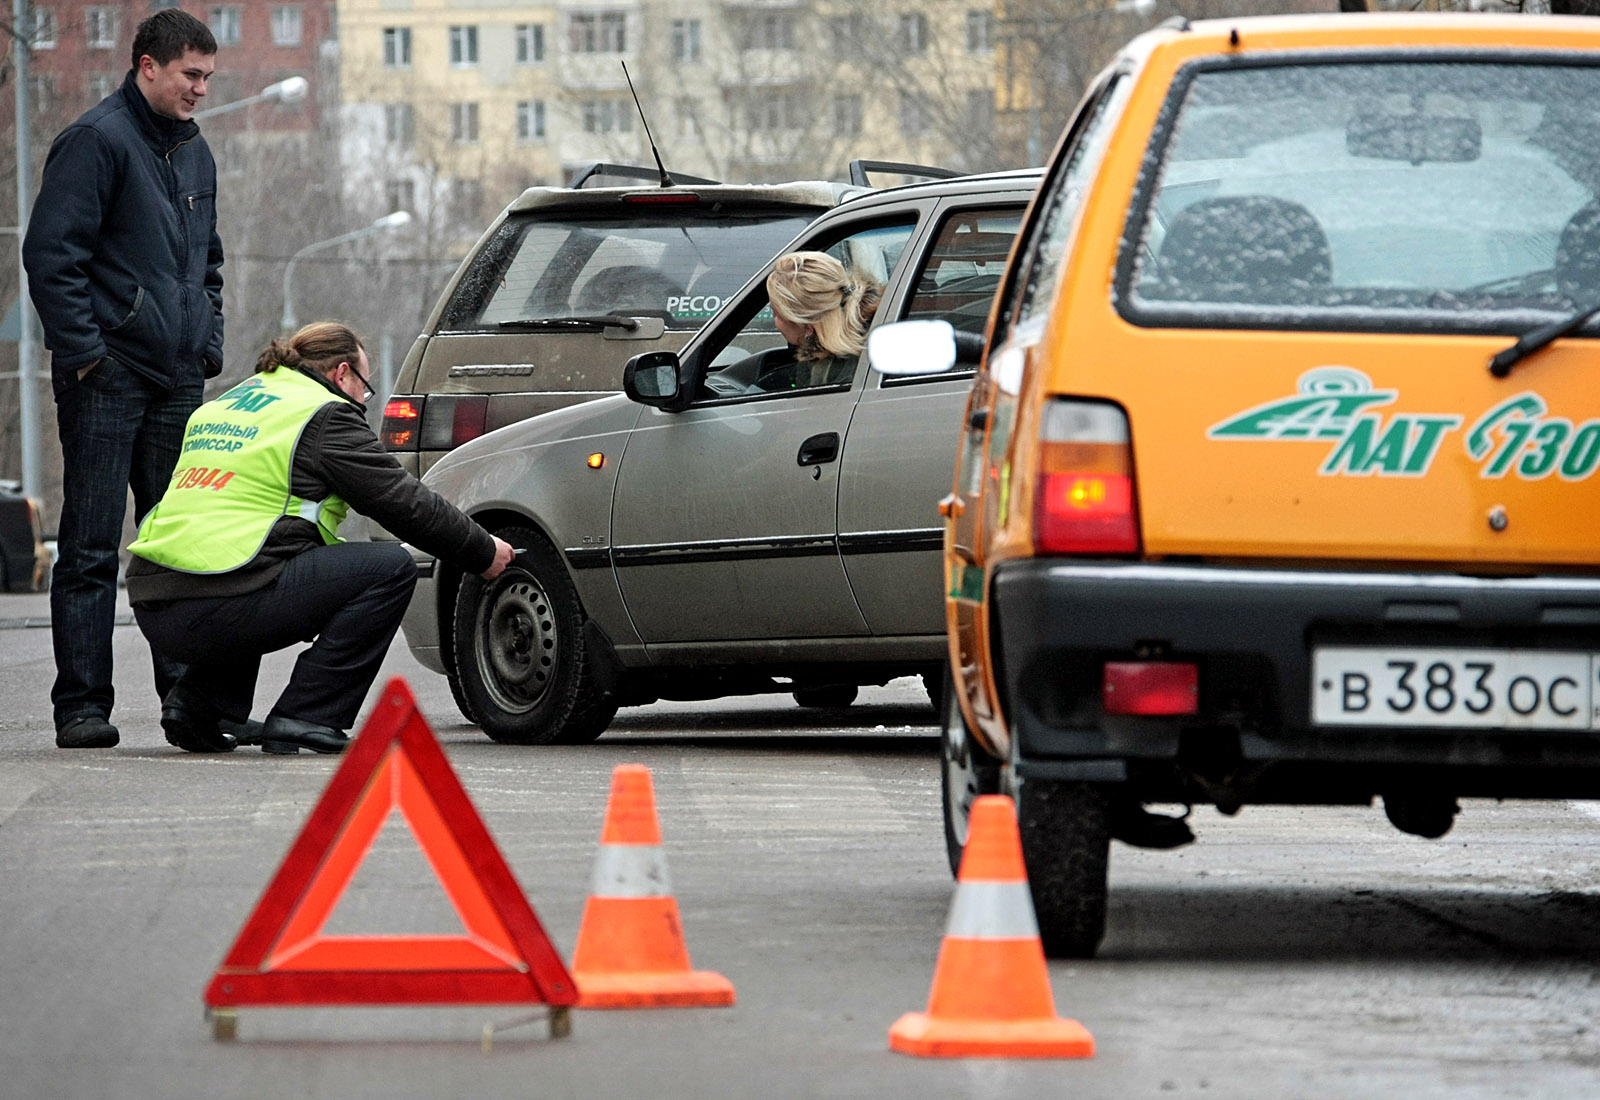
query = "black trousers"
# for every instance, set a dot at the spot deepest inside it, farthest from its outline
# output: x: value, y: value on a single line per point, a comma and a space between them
x: 346, y: 599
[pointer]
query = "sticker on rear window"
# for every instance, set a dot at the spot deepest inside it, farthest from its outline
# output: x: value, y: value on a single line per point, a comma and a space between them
x: 1339, y: 405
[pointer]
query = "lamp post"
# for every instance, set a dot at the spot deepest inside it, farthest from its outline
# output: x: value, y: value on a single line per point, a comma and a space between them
x: 387, y: 222
x: 289, y: 90
x: 27, y: 339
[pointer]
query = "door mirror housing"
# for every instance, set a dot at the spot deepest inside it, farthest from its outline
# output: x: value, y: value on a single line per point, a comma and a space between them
x: 653, y: 378
x: 908, y: 348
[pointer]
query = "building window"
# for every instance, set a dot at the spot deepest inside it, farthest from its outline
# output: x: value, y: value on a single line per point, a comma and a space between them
x: 161, y: 5
x: 287, y: 26
x: 400, y: 195
x: 685, y: 40
x: 102, y: 85
x: 397, y: 47
x: 100, y: 25
x: 399, y: 124
x: 980, y: 32
x: 606, y: 116
x: 464, y: 123
x: 774, y: 111
x: 769, y: 30
x: 847, y: 116
x: 848, y: 34
x: 913, y: 33
x: 44, y: 28
x: 913, y: 115
x: 598, y: 32
x: 530, y: 43
x: 464, y: 45
x: 224, y: 21
x: 42, y: 89
x: 530, y: 120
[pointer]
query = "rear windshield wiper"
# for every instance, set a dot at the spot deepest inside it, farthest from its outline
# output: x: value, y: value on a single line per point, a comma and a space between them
x: 588, y: 322
x: 1541, y: 337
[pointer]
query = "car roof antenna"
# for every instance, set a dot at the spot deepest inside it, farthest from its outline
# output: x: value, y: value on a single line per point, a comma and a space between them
x: 666, y: 180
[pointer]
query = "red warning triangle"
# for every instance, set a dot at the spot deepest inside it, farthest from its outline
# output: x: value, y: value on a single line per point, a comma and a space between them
x: 283, y: 956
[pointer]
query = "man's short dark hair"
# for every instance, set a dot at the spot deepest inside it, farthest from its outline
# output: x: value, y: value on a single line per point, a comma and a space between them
x: 169, y: 34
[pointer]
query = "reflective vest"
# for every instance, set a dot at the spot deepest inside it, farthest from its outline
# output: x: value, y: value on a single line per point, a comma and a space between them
x: 232, y: 480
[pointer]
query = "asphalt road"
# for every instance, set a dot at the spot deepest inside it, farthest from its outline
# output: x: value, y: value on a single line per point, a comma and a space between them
x: 1290, y: 953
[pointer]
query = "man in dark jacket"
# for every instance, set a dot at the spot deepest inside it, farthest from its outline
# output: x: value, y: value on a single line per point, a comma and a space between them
x: 241, y: 557
x: 124, y: 266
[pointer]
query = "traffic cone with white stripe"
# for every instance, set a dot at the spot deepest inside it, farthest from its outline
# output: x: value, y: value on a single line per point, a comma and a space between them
x: 991, y: 992
x: 630, y: 951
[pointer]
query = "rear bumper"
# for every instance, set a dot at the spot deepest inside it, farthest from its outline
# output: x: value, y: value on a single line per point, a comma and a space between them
x: 1251, y: 632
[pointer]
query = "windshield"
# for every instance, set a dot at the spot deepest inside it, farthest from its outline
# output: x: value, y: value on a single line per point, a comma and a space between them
x: 678, y: 267
x: 1428, y: 195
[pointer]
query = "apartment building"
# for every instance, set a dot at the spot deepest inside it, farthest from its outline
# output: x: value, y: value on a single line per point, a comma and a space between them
x: 462, y: 103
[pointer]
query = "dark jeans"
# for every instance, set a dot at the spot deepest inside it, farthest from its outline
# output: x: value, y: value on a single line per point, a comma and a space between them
x: 118, y: 431
x: 349, y: 597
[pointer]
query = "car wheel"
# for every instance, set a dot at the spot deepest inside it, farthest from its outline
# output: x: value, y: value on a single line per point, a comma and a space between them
x: 1066, y: 843
x: 829, y: 695
x: 965, y: 771
x: 519, y: 651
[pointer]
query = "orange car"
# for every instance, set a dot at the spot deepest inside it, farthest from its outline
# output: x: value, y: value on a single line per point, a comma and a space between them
x: 1277, y: 482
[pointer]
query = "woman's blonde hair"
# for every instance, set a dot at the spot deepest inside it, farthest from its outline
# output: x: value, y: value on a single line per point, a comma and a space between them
x: 813, y: 288
x: 321, y: 345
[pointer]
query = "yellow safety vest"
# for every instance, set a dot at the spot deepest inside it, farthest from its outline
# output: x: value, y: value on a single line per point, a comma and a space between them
x: 232, y: 480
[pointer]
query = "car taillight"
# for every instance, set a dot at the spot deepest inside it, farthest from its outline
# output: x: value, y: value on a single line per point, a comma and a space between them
x: 1150, y: 687
x: 401, y: 416
x: 449, y: 420
x: 1084, y: 500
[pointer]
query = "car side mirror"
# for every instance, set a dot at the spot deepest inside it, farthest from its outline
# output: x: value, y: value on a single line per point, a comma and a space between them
x: 652, y: 378
x: 921, y: 347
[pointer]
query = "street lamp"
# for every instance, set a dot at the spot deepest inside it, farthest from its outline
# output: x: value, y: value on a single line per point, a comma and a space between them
x: 289, y: 90
x: 387, y: 222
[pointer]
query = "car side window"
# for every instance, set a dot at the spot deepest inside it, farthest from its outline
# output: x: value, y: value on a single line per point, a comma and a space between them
x: 1065, y: 197
x: 963, y: 269
x: 753, y: 360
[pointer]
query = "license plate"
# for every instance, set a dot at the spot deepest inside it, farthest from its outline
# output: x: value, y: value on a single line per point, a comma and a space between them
x: 1460, y: 688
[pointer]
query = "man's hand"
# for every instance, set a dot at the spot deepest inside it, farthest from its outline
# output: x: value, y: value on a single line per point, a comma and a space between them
x: 502, y: 558
x: 82, y: 371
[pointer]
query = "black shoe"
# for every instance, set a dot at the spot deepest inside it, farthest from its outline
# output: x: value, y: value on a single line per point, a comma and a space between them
x: 88, y: 732
x: 247, y: 732
x: 285, y: 736
x: 193, y: 728
x: 1134, y: 825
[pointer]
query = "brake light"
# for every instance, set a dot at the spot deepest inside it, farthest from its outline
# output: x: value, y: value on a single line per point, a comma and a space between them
x: 1084, y: 503
x: 400, y: 418
x: 671, y: 198
x: 1150, y: 687
x: 449, y: 420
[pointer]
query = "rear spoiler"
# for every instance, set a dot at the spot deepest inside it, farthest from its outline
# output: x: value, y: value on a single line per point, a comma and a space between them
x: 860, y: 168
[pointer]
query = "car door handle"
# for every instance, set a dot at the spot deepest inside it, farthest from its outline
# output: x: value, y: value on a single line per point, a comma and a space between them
x: 818, y: 449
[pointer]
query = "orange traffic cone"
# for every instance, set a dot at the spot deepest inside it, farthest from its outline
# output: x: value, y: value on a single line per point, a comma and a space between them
x: 991, y: 992
x: 630, y: 951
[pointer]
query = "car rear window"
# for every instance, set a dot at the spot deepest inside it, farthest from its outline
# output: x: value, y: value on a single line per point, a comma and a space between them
x: 540, y: 267
x: 1378, y: 194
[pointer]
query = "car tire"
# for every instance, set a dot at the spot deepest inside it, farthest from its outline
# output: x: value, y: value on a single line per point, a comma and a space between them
x: 966, y: 771
x: 1066, y: 843
x: 827, y: 696
x: 520, y: 657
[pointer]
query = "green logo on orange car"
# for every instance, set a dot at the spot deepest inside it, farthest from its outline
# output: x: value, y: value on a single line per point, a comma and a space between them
x: 1339, y: 405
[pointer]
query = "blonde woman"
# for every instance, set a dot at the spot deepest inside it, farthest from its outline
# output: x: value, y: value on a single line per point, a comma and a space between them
x: 823, y: 313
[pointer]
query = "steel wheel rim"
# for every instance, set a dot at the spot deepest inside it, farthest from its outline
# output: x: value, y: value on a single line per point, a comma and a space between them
x: 960, y: 777
x: 517, y: 642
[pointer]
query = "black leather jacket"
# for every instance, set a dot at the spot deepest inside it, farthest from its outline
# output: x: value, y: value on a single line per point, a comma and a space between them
x: 122, y: 251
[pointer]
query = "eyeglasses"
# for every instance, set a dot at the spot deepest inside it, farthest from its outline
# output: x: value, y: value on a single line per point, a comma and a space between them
x: 366, y: 386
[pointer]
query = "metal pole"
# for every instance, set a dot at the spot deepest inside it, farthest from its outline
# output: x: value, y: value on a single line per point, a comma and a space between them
x: 27, y: 340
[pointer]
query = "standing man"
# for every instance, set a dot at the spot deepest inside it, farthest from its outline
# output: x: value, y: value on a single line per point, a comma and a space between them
x: 124, y: 265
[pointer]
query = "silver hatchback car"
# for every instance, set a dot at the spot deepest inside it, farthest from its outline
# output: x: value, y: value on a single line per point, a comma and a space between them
x: 699, y: 540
